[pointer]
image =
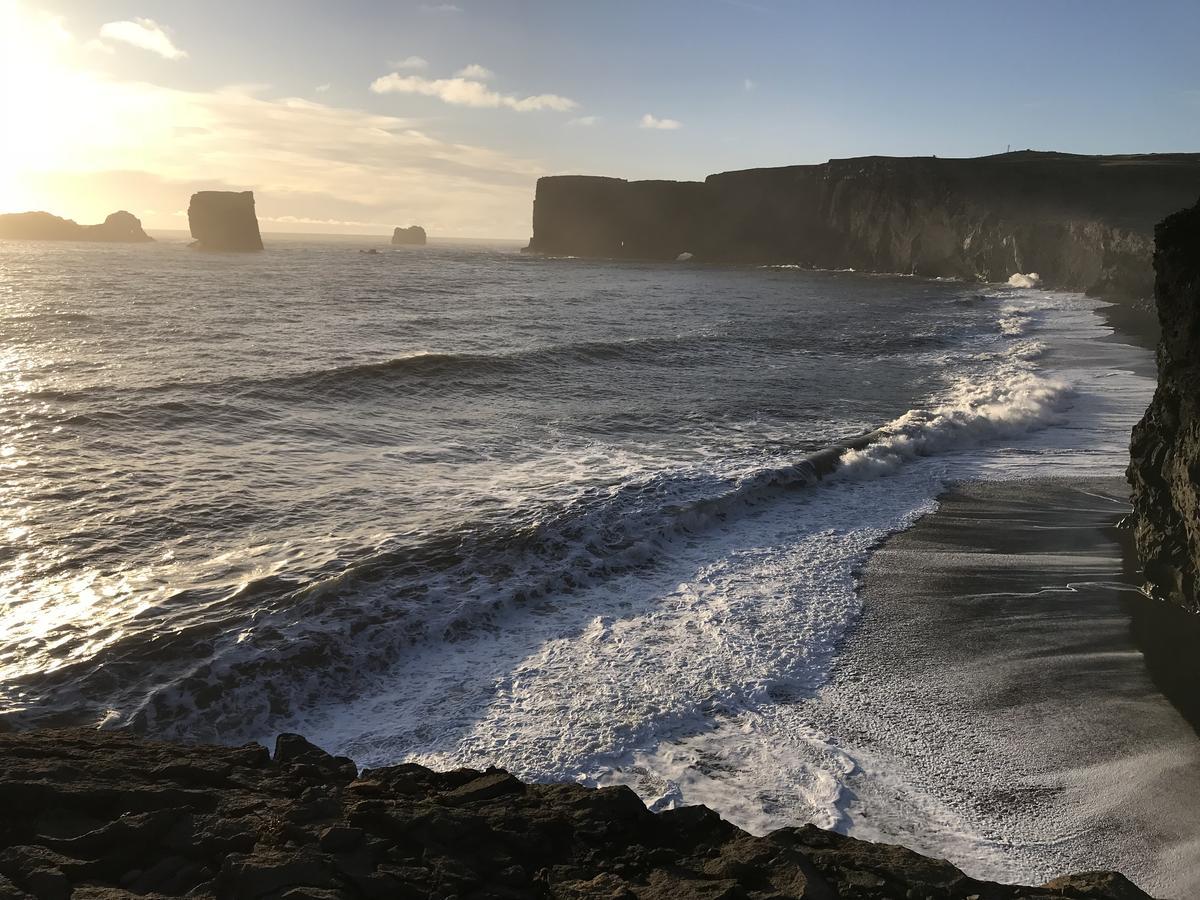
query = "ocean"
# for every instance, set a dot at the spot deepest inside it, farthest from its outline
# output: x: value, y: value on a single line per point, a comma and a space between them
x: 464, y: 506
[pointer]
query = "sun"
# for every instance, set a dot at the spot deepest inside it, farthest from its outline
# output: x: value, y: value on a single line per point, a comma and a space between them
x: 39, y: 92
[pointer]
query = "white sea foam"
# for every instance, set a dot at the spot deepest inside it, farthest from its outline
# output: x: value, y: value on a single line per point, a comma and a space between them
x: 1023, y: 280
x: 692, y: 680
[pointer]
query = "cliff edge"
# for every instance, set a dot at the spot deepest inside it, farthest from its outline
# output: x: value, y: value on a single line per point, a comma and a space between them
x: 1165, y: 465
x: 91, y: 815
x: 414, y: 236
x: 1081, y: 222
x: 224, y: 220
x: 119, y: 227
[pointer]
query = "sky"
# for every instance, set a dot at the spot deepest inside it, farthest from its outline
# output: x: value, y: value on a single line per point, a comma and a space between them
x: 361, y: 115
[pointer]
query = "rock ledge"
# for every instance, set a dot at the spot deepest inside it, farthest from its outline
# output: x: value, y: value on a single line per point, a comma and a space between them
x: 91, y: 815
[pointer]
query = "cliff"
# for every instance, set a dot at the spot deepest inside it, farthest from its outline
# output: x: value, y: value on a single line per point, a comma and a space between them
x: 91, y: 815
x: 224, y: 220
x: 413, y: 235
x: 1081, y: 222
x: 1165, y: 465
x: 41, y: 226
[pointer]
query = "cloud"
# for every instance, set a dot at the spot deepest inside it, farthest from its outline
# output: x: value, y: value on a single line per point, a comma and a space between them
x: 464, y: 92
x: 440, y: 8
x: 411, y: 62
x: 145, y: 34
x: 476, y: 72
x: 749, y: 84
x: 585, y: 121
x: 649, y: 121
x: 137, y: 147
x: 322, y: 88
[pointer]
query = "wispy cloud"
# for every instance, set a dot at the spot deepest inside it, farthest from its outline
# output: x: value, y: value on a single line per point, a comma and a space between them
x: 143, y: 33
x: 585, y: 121
x: 322, y: 88
x: 476, y: 72
x: 411, y: 62
x: 465, y: 92
x: 749, y: 84
x: 440, y: 8
x: 649, y: 121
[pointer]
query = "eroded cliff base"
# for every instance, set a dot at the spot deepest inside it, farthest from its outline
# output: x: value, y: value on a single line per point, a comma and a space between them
x: 91, y: 814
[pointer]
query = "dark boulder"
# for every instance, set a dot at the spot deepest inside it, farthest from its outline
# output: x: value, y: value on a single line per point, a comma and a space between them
x: 224, y: 220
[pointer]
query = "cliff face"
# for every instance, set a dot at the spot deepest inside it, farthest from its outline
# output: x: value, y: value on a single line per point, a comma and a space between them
x: 41, y: 226
x: 1082, y: 222
x: 107, y: 815
x: 1165, y: 466
x: 224, y: 220
x: 413, y: 235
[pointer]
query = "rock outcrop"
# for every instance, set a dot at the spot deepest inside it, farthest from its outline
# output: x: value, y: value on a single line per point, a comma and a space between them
x: 1165, y: 465
x: 414, y: 235
x: 224, y: 220
x: 90, y: 815
x: 41, y: 226
x: 1081, y: 222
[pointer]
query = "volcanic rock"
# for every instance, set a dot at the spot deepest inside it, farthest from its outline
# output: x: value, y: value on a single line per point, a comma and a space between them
x: 413, y: 235
x: 90, y: 814
x: 41, y: 226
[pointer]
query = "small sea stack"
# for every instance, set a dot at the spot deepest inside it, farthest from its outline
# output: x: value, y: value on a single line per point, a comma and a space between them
x: 413, y: 236
x: 120, y: 227
x: 224, y: 220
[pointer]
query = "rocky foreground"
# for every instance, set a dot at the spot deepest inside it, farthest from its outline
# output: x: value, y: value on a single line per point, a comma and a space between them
x: 86, y: 814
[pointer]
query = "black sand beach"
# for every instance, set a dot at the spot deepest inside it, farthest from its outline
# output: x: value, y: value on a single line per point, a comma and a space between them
x: 996, y: 689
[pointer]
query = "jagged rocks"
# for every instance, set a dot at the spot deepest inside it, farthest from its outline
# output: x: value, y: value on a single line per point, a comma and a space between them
x: 1165, y: 454
x: 120, y: 227
x: 87, y: 814
x: 224, y: 220
x: 414, y: 236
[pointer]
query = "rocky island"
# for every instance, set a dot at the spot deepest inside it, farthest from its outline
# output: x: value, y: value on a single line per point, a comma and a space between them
x: 1081, y: 222
x: 91, y: 815
x: 414, y: 236
x: 119, y: 227
x: 1165, y: 466
x: 224, y: 220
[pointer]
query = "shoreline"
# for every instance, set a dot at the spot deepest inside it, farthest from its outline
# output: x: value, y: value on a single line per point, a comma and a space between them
x: 995, y: 696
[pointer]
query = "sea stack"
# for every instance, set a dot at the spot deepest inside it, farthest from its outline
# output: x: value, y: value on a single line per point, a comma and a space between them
x: 224, y: 220
x: 413, y: 236
x: 1165, y: 466
x: 41, y: 226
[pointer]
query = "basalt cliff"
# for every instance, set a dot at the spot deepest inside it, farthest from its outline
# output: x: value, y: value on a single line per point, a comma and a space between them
x: 1081, y: 222
x: 42, y: 226
x: 1165, y: 465
x: 224, y: 220
x: 86, y: 815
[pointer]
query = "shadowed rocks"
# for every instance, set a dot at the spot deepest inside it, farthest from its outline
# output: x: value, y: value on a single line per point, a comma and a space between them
x: 1165, y: 454
x: 414, y: 236
x: 224, y: 220
x: 41, y: 226
x: 91, y: 814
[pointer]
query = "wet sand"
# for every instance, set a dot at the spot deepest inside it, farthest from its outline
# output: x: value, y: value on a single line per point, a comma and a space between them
x: 996, y: 692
